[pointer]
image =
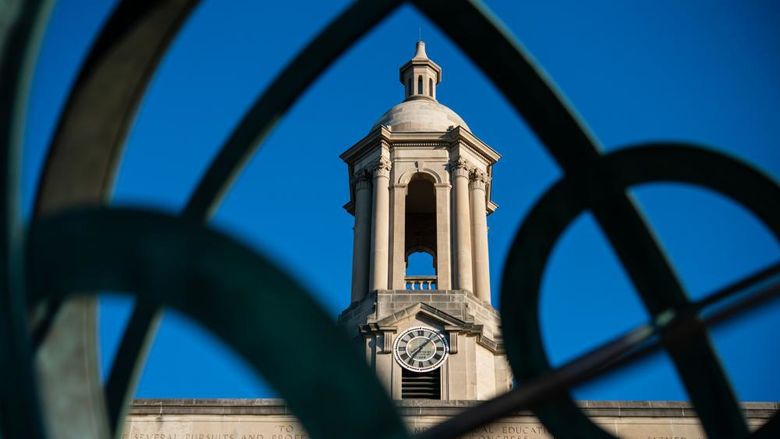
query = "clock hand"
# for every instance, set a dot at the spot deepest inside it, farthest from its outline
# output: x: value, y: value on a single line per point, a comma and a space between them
x: 416, y: 351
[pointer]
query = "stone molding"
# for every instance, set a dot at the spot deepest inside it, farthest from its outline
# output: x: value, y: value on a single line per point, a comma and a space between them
x: 419, y: 407
x: 436, y: 139
x: 407, y: 176
x: 452, y: 325
x: 433, y: 144
x: 382, y: 138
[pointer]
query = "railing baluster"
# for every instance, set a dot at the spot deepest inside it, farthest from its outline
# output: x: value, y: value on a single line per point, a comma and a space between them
x: 420, y: 283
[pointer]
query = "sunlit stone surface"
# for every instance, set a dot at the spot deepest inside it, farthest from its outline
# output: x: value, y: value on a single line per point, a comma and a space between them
x: 270, y: 419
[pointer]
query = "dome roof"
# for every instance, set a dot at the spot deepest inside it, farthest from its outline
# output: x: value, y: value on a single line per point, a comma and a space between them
x: 420, y: 115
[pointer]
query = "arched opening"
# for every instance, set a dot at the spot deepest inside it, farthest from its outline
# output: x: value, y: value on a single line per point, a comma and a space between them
x: 430, y: 87
x: 421, y: 234
x: 419, y: 85
x: 420, y: 263
x: 409, y: 87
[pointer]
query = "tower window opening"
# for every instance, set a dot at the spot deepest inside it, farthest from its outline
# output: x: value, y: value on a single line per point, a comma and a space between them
x: 420, y: 231
x: 420, y: 263
x: 430, y: 87
x: 409, y: 86
x: 419, y: 85
x: 420, y: 271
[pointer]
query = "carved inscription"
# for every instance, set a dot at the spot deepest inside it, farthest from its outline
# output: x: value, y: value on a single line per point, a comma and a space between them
x: 286, y: 427
x: 213, y: 430
x: 197, y: 436
x: 500, y: 431
x: 287, y: 431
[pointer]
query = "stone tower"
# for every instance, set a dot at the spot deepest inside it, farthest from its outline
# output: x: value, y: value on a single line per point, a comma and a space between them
x: 420, y: 181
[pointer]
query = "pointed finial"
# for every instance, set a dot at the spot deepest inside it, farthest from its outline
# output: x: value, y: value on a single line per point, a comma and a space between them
x: 420, y: 54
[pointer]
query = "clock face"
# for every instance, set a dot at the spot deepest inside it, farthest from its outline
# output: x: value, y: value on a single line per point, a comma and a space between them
x: 420, y: 349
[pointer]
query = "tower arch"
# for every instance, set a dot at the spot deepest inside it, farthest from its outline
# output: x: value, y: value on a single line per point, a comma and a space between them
x: 420, y: 224
x: 408, y: 175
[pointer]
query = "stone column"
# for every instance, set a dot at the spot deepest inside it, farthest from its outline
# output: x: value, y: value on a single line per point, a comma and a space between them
x: 460, y: 177
x: 362, y: 245
x: 479, y: 236
x: 443, y: 266
x: 398, y: 238
x: 380, y: 227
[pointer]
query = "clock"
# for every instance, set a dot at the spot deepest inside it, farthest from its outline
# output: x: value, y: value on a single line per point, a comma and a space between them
x: 420, y: 349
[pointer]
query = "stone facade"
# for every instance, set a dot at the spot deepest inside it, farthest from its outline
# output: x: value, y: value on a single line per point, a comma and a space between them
x: 420, y: 181
x: 420, y: 141
x: 271, y: 419
x: 476, y: 368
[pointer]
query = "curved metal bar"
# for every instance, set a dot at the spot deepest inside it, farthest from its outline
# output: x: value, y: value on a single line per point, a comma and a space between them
x: 472, y: 27
x: 234, y: 292
x: 80, y: 169
x: 92, y: 130
x: 573, y: 195
x: 770, y: 430
x: 20, y: 35
x: 245, y: 139
x: 469, y: 25
x: 622, y: 351
x: 279, y: 97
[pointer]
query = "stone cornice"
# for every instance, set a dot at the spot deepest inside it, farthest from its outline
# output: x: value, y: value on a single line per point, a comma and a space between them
x: 451, y: 325
x: 372, y: 139
x: 420, y: 407
x: 382, y: 137
x: 461, y: 134
x: 401, y: 139
x: 444, y: 318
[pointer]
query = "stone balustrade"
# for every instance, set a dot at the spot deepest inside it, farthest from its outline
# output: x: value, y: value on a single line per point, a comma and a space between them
x: 415, y: 283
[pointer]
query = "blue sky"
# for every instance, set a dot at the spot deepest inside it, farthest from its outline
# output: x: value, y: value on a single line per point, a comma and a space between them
x: 696, y: 71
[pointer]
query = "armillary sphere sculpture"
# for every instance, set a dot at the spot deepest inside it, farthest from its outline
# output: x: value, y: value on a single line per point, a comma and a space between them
x: 51, y: 270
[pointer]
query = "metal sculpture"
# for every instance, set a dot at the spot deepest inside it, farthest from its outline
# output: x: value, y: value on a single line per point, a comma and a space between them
x: 49, y: 275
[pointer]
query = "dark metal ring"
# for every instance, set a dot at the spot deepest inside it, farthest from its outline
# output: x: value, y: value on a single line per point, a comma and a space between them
x: 580, y: 191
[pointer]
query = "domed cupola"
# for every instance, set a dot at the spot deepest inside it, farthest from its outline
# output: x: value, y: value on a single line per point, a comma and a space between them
x: 420, y: 111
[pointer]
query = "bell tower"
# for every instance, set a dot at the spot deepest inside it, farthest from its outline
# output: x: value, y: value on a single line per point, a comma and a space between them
x: 420, y: 181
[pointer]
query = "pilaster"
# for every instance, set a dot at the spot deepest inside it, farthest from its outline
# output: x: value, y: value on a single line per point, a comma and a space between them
x: 462, y: 221
x: 362, y: 234
x: 398, y: 238
x: 380, y: 230
x: 478, y: 180
x: 443, y: 259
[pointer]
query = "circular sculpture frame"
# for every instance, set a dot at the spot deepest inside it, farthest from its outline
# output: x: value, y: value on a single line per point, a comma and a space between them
x: 73, y: 247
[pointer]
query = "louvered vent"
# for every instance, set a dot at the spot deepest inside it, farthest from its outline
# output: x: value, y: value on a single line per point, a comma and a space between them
x: 422, y: 385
